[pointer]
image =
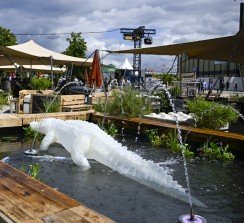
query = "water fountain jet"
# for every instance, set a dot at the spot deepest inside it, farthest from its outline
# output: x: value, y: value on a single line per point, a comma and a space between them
x: 32, y: 151
x: 186, y: 218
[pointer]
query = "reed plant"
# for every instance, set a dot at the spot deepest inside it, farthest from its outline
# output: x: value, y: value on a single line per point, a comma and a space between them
x: 52, y: 107
x: 154, y: 137
x: 127, y: 102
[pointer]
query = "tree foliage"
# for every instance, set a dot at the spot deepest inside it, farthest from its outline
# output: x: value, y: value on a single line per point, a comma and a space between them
x: 77, y: 46
x: 7, y: 38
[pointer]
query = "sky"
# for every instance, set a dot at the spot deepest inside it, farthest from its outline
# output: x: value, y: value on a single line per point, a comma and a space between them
x: 174, y: 21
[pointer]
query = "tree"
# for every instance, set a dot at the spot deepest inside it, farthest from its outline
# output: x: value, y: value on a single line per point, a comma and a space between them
x: 77, y: 48
x: 7, y: 38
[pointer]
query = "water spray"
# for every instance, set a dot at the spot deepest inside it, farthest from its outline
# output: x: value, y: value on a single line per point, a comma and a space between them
x: 32, y: 151
x: 186, y: 218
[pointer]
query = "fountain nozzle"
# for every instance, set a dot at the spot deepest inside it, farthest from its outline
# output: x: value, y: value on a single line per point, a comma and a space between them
x: 31, y: 152
x: 191, y: 218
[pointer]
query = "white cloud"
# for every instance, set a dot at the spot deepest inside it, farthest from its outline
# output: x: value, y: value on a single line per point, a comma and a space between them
x: 175, y: 21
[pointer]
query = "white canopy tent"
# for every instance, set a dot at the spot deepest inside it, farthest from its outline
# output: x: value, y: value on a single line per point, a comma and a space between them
x: 30, y: 53
x: 45, y: 55
x: 126, y: 65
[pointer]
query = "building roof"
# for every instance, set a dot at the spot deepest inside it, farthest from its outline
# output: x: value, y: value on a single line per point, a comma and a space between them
x: 230, y: 48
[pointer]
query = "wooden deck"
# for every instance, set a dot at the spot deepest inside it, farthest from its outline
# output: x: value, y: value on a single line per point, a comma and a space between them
x: 193, y: 134
x: 18, y: 120
x: 26, y: 200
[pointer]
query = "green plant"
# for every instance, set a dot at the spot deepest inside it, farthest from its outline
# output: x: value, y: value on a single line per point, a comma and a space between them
x: 154, y: 138
x: 3, y: 99
x: 29, y: 133
x: 54, y: 107
x: 40, y: 83
x: 187, y: 152
x: 111, y: 129
x: 7, y: 38
x: 166, y: 78
x: 211, y: 115
x: 34, y: 170
x: 128, y: 103
x: 175, y: 91
x: 241, y: 99
x: 172, y: 142
x: 216, y: 151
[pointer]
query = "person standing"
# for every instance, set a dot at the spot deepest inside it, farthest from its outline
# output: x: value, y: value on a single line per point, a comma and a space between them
x: 126, y: 82
x: 227, y: 85
x: 7, y: 86
x: 15, y: 87
x: 106, y: 84
x: 204, y: 86
x: 235, y: 87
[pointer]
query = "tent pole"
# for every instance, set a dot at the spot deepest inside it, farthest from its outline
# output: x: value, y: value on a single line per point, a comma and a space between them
x: 51, y: 60
x: 180, y: 75
x: 71, y: 72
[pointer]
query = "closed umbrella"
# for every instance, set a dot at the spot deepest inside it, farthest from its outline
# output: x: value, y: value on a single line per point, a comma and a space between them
x: 96, y: 74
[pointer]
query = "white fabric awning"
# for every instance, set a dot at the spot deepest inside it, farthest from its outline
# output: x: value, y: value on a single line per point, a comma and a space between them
x: 41, y: 68
x: 34, y: 54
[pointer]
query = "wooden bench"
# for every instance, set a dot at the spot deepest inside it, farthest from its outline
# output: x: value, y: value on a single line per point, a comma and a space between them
x: 72, y: 103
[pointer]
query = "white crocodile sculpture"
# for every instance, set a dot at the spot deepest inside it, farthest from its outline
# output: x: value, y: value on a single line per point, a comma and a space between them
x: 85, y: 140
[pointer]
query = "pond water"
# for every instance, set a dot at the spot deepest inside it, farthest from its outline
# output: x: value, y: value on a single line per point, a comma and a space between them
x: 219, y: 186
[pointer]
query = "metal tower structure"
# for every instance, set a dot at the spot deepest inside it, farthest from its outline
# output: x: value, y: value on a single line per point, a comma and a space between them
x: 136, y: 35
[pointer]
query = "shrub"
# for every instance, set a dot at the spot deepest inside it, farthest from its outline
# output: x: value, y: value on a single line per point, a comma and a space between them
x: 154, y: 138
x: 187, y: 152
x: 217, y: 152
x: 3, y: 99
x: 175, y: 91
x: 172, y: 142
x: 29, y: 133
x: 111, y: 129
x: 126, y: 103
x: 211, y: 115
x: 40, y: 83
x: 53, y: 107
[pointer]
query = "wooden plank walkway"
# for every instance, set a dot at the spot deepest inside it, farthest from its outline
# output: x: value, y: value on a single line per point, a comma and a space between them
x: 26, y: 200
x: 194, y: 134
x: 18, y: 120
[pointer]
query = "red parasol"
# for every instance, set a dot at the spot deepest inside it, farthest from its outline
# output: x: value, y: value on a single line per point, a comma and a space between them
x: 96, y: 74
